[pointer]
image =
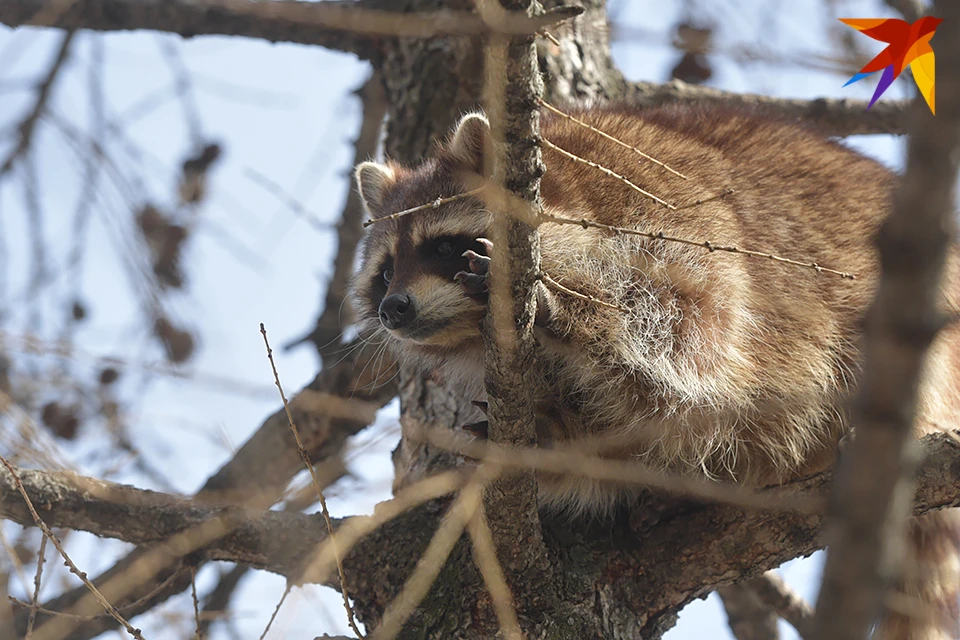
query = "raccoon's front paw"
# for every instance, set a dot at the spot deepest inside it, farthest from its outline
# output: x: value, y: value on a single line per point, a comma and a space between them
x: 474, y: 281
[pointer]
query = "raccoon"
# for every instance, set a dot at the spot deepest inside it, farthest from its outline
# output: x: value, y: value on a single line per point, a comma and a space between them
x: 703, y: 363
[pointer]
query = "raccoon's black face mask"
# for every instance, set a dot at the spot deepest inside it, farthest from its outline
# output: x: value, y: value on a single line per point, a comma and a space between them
x: 408, y: 285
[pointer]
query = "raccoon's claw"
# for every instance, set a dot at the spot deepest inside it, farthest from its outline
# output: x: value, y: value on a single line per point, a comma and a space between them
x: 477, y: 429
x: 480, y: 404
x: 474, y: 281
x: 479, y: 264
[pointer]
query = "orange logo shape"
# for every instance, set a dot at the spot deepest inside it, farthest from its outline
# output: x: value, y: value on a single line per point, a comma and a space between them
x: 908, y: 44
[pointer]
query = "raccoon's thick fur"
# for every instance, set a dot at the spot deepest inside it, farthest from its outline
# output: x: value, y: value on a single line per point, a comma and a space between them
x: 724, y: 366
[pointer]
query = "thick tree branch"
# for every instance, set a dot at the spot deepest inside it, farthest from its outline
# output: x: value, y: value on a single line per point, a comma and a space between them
x: 749, y: 618
x: 836, y: 117
x: 870, y: 502
x: 292, y: 22
x: 778, y: 597
x: 344, y: 26
x: 189, y: 18
x: 719, y: 544
x: 272, y: 540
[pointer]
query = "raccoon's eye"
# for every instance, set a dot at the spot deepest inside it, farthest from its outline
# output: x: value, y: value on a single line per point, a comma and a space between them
x: 387, y: 275
x: 444, y: 250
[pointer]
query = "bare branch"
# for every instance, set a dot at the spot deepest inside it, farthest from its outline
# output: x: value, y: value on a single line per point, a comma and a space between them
x: 748, y: 617
x: 186, y: 18
x: 718, y: 542
x: 146, y: 517
x: 837, y: 117
x: 336, y: 311
x: 260, y: 470
x: 779, y: 597
x: 870, y: 502
x: 29, y: 124
x: 341, y: 25
x: 305, y: 456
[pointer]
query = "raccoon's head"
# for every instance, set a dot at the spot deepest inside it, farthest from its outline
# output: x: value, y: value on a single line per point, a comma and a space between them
x: 405, y: 286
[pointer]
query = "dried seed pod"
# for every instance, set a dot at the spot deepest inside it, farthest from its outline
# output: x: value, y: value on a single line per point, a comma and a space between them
x: 108, y: 375
x: 62, y: 421
x: 178, y: 343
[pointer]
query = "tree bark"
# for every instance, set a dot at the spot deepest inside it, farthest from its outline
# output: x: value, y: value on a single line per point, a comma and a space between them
x: 616, y: 580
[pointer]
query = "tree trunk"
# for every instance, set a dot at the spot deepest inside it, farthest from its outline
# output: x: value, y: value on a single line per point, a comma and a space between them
x: 430, y: 84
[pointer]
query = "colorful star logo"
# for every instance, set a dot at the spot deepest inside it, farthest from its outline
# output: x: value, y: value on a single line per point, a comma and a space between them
x: 909, y: 44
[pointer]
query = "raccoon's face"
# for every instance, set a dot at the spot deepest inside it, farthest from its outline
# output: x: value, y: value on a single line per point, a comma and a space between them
x: 405, y: 286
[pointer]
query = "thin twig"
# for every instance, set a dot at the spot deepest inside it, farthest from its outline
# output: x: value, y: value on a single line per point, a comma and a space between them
x: 36, y: 586
x: 184, y: 88
x: 196, y: 601
x: 704, y: 244
x: 431, y: 562
x: 276, y: 610
x: 125, y: 607
x: 38, y: 521
x: 354, y: 529
x: 288, y: 200
x: 316, y: 485
x: 430, y: 205
x: 11, y: 552
x: 547, y: 105
x: 604, y: 170
x: 550, y: 282
x: 485, y: 555
x: 543, y: 33
x: 29, y: 124
x: 579, y: 463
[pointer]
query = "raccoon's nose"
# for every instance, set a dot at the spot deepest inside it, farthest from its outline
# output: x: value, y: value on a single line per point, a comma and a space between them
x: 397, y: 310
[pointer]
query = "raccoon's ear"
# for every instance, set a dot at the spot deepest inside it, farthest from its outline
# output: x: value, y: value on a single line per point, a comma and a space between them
x: 372, y: 180
x: 469, y: 139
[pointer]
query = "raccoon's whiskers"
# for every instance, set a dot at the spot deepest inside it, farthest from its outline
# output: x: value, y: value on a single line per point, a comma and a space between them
x: 378, y: 368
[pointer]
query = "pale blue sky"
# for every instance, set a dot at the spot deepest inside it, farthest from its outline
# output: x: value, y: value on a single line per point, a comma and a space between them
x: 284, y: 111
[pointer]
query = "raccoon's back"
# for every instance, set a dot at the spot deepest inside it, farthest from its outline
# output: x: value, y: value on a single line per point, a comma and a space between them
x: 748, y: 180
x: 796, y: 193
x: 749, y: 352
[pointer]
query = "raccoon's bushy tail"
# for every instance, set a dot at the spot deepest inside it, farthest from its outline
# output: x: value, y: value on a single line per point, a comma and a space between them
x: 926, y: 605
